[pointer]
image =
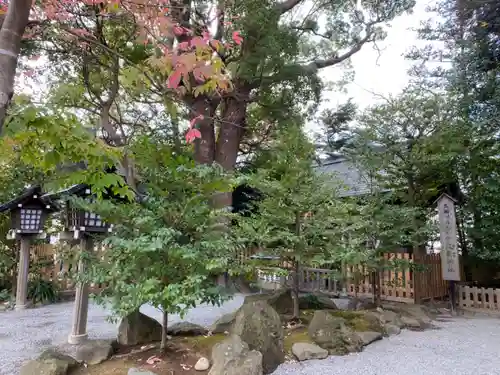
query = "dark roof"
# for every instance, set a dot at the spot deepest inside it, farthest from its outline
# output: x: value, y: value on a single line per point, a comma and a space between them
x: 28, y: 194
x: 352, y: 179
x: 65, y: 192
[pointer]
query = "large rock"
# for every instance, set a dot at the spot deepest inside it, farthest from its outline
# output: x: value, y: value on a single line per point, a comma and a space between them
x: 368, y: 337
x: 317, y: 301
x: 281, y: 300
x: 223, y: 324
x: 50, y: 362
x: 138, y: 328
x: 233, y: 357
x: 186, y: 329
x: 94, y: 352
x: 356, y: 304
x: 391, y: 317
x: 421, y: 313
x: 304, y: 351
x: 259, y: 325
x: 331, y: 333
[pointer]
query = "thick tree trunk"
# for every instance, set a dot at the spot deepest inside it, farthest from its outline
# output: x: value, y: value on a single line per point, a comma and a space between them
x: 11, y: 32
x: 204, y: 147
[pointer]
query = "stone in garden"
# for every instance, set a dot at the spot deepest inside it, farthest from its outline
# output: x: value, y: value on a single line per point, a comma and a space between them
x: 50, y: 362
x: 317, y: 301
x: 48, y: 367
x: 356, y: 304
x: 259, y: 325
x: 331, y: 333
x: 280, y: 300
x: 233, y: 357
x: 136, y: 371
x: 94, y: 352
x: 138, y: 328
x: 223, y: 324
x: 391, y: 317
x: 410, y: 322
x: 368, y: 337
x: 418, y: 312
x: 392, y: 329
x: 202, y: 364
x: 304, y: 351
x: 186, y: 329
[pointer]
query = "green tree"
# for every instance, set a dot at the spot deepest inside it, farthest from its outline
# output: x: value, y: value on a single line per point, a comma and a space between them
x: 165, y: 248
x: 298, y: 217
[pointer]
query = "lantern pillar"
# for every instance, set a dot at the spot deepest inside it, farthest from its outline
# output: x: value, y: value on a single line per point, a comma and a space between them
x: 22, y: 273
x: 80, y: 310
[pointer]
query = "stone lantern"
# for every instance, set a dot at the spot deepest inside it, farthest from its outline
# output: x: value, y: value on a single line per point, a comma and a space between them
x: 28, y: 212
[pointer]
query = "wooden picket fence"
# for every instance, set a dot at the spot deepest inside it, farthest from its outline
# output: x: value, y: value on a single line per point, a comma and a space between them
x: 478, y: 298
x: 401, y: 285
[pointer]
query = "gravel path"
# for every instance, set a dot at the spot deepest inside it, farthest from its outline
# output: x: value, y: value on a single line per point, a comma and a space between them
x: 460, y: 347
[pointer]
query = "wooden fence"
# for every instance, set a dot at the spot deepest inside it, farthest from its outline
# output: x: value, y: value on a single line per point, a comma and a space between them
x: 479, y: 298
x: 404, y: 284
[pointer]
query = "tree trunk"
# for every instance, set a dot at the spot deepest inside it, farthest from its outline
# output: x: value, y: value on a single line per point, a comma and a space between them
x: 11, y: 33
x: 164, y: 336
x: 296, y: 290
x: 204, y: 147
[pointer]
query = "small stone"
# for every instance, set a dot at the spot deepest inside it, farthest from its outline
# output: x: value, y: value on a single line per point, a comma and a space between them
x: 392, y: 329
x: 203, y: 364
x: 304, y: 351
x: 368, y: 337
x: 136, y: 371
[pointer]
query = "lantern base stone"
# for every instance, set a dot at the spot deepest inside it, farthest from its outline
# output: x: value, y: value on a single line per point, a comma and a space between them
x: 77, y: 339
x: 20, y: 307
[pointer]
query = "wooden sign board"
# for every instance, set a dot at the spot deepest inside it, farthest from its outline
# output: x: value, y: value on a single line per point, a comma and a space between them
x: 448, y: 235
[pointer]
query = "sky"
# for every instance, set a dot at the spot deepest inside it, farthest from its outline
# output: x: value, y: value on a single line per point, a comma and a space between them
x: 382, y: 72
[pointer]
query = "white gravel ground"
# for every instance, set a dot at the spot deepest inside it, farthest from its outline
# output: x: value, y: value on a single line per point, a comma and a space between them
x: 460, y: 347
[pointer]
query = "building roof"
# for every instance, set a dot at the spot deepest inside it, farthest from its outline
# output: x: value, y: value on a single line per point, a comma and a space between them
x: 352, y: 179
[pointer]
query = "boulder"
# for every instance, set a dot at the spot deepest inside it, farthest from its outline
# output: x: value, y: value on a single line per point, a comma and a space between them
x: 202, y: 364
x: 186, y: 329
x: 281, y: 300
x: 368, y: 337
x: 304, y: 351
x: 390, y: 317
x: 419, y: 312
x: 331, y: 333
x: 223, y: 324
x: 317, y: 301
x: 136, y: 371
x: 49, y: 367
x: 356, y: 304
x: 259, y: 325
x: 138, y: 328
x: 50, y: 362
x: 94, y: 352
x: 233, y: 357
x: 410, y: 322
